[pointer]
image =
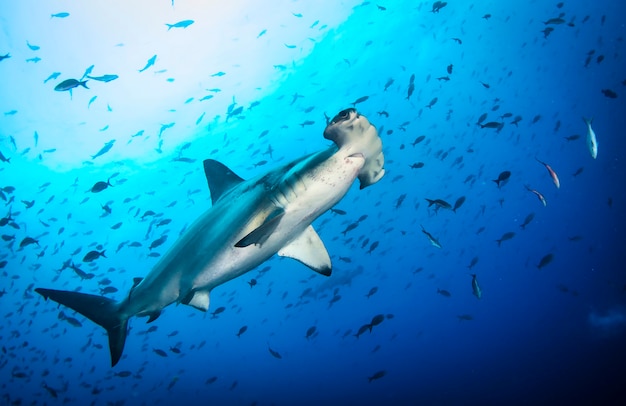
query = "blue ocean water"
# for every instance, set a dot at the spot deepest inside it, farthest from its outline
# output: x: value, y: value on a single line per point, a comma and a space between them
x: 171, y: 83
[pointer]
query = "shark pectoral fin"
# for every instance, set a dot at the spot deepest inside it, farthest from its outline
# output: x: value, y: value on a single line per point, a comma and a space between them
x: 309, y: 249
x: 259, y: 235
x: 220, y: 178
x: 200, y: 300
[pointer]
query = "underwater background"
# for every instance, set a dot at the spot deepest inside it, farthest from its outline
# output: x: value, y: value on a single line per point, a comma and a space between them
x: 461, y: 93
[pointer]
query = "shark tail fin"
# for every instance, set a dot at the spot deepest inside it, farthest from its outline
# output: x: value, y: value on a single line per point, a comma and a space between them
x: 101, y: 310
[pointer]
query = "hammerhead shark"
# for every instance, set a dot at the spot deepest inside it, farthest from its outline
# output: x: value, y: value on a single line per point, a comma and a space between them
x: 249, y: 221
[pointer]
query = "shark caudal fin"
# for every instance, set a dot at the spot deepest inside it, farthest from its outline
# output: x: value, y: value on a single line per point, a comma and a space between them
x: 101, y: 310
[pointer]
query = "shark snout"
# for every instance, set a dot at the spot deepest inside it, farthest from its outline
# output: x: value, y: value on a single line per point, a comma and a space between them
x: 355, y: 136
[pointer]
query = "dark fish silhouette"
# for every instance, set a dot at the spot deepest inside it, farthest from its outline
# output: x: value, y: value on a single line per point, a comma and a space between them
x: 554, y: 21
x: 242, y: 330
x: 438, y: 5
x: 150, y: 63
x: 505, y: 237
x: 376, y: 320
x: 476, y: 291
x: 159, y: 241
x: 492, y: 124
x: 418, y: 140
x: 444, y: 292
x: 275, y: 354
x: 93, y: 255
x: 360, y: 100
x: 350, y: 227
x: 439, y: 204
x: 432, y: 103
x: 411, y: 87
x: 527, y: 220
x: 28, y: 241
x: 378, y: 374
x: 609, y: 93
x: 473, y: 262
x: 388, y: 84
x: 217, y: 311
x: 4, y: 159
x: 362, y: 329
x: 70, y: 84
x: 180, y: 24
x: 371, y: 292
x: 104, y: 78
x: 545, y: 261
x: 503, y: 177
x: 100, y: 186
x: 459, y: 202
x: 310, y: 331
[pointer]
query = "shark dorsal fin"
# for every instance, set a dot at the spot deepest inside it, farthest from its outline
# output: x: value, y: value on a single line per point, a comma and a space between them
x: 136, y: 281
x: 220, y: 178
x: 309, y: 249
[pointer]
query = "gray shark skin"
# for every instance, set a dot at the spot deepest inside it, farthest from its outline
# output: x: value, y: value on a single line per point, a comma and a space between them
x: 248, y: 222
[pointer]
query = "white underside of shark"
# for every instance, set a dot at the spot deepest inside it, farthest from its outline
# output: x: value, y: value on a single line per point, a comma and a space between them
x: 249, y: 222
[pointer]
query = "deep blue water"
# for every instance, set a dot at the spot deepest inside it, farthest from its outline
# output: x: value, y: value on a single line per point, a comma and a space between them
x: 553, y: 334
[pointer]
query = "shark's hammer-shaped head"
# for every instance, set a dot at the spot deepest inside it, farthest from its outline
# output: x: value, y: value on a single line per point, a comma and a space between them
x: 354, y: 135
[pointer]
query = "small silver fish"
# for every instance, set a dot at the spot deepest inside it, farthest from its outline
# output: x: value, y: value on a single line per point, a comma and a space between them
x: 592, y: 143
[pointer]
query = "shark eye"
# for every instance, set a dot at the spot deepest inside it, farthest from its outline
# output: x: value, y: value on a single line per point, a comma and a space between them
x: 343, y: 115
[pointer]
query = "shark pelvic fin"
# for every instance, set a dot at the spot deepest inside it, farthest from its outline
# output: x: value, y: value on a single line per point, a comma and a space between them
x: 200, y: 300
x: 259, y: 235
x: 220, y: 178
x: 309, y: 249
x: 153, y: 316
x: 101, y: 310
